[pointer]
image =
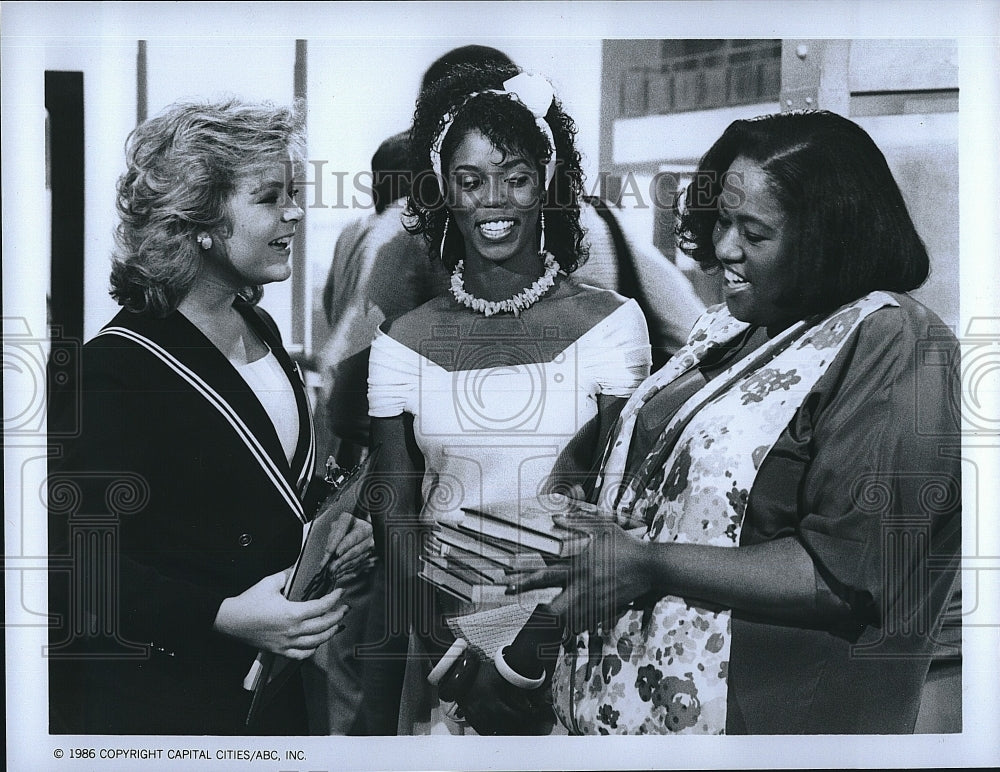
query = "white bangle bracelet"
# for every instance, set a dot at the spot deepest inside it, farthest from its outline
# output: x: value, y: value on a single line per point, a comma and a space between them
x: 443, y: 665
x: 513, y: 677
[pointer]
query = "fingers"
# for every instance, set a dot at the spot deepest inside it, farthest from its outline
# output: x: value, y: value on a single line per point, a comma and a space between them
x: 581, y: 521
x: 312, y: 609
x: 337, y: 533
x: 348, y: 533
x: 364, y: 527
x: 318, y: 624
x: 559, y: 605
x: 304, y: 648
x: 585, y: 609
x: 353, y: 574
x: 299, y: 654
x: 354, y: 549
x: 341, y: 569
x: 579, y: 617
x: 339, y: 614
x: 545, y: 577
x: 352, y: 541
x: 302, y: 639
x: 315, y: 631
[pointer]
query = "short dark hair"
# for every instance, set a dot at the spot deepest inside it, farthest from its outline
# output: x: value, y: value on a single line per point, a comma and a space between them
x: 853, y: 232
x: 182, y: 168
x: 510, y: 127
x: 390, y: 171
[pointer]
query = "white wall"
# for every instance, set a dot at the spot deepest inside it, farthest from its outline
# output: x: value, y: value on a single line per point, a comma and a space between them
x: 922, y: 153
x: 109, y: 114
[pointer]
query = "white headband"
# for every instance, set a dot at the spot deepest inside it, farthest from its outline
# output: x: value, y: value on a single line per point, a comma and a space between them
x: 532, y: 91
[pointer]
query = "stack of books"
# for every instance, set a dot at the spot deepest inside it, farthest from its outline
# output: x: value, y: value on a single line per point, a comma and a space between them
x: 472, y: 557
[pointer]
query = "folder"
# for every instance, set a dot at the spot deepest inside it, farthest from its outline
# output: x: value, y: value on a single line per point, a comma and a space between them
x: 310, y: 578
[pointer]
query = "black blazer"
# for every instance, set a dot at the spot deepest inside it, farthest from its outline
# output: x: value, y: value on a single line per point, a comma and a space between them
x: 174, y: 495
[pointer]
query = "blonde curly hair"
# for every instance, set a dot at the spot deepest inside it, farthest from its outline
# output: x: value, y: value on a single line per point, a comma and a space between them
x: 182, y: 169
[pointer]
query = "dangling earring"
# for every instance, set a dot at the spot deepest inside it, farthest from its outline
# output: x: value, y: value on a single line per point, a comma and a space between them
x: 444, y: 235
x: 205, y: 241
x: 541, y: 245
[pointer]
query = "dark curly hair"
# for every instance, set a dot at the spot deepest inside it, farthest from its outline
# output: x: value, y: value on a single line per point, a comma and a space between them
x: 182, y: 168
x: 511, y: 128
x: 852, y: 232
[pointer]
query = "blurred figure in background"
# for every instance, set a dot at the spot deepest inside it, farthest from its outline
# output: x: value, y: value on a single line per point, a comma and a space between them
x: 374, y: 276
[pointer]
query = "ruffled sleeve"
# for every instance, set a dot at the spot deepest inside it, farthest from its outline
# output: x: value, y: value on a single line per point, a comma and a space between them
x: 616, y: 352
x: 393, y: 376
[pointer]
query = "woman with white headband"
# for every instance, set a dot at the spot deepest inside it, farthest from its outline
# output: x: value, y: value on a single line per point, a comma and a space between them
x: 476, y: 395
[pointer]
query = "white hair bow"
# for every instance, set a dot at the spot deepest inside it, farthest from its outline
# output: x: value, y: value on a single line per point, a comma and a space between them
x: 533, y: 91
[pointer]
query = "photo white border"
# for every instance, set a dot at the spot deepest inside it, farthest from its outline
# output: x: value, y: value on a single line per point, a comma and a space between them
x: 27, y: 27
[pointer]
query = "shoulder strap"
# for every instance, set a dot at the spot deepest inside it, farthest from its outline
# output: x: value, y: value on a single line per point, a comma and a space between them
x: 628, y: 278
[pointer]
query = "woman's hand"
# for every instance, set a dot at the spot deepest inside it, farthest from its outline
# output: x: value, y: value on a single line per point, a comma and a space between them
x: 263, y: 618
x: 775, y: 579
x: 602, y: 580
x: 349, y: 546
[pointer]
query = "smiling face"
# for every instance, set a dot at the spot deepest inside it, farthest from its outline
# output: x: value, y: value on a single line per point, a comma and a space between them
x: 496, y: 204
x: 753, y: 242
x: 264, y: 214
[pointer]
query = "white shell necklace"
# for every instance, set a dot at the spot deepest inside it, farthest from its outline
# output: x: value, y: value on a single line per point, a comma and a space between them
x: 515, y: 304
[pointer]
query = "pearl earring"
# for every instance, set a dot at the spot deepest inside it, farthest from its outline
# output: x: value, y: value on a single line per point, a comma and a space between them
x: 541, y: 245
x: 205, y: 241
